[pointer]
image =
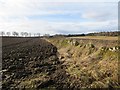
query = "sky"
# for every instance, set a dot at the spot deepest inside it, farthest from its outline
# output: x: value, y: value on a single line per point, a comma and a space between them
x: 58, y: 16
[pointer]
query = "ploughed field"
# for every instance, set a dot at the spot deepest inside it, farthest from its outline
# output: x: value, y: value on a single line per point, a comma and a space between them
x: 29, y: 63
x: 59, y: 63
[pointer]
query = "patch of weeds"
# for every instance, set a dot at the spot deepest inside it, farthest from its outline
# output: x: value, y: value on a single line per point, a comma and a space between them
x: 98, y: 84
x: 111, y: 55
x: 64, y: 43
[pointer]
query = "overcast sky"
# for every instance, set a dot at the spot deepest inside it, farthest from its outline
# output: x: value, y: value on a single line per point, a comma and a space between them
x: 58, y: 16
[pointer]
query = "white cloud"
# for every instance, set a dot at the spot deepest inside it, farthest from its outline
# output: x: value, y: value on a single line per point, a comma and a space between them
x: 94, y: 15
x: 76, y: 0
x: 25, y: 25
x: 85, y: 26
x: 57, y: 27
x: 14, y: 16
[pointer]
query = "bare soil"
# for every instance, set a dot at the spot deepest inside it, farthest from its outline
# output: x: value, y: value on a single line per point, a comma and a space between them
x: 31, y: 63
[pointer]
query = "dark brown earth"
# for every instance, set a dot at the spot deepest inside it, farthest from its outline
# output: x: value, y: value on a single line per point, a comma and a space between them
x: 24, y: 58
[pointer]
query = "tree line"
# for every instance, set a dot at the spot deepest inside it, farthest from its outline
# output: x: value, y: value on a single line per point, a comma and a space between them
x: 113, y: 33
x: 23, y: 34
x: 27, y: 34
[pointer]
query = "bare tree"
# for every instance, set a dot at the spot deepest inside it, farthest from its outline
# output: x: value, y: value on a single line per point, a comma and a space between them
x: 26, y: 34
x: 8, y: 33
x: 38, y: 34
x: 34, y: 34
x: 15, y: 33
x: 22, y: 33
x: 2, y: 33
x: 29, y: 34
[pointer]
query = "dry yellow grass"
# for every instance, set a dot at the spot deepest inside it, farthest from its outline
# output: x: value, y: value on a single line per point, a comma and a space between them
x: 93, y: 67
x: 97, y: 37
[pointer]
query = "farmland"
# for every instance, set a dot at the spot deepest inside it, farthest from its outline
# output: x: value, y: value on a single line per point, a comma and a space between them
x: 60, y: 63
x: 98, y: 37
